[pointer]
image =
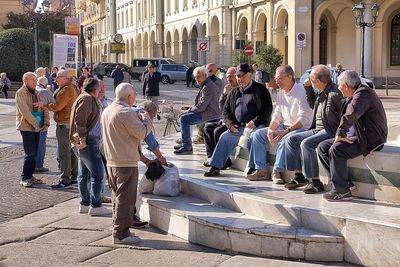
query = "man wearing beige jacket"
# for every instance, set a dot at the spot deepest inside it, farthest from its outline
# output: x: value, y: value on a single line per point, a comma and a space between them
x: 29, y: 126
x: 123, y: 129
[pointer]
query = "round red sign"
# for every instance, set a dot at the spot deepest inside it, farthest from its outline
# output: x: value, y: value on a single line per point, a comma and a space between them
x: 248, y: 50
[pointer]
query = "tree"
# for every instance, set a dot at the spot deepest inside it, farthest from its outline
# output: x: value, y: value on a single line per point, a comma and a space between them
x: 269, y: 58
x: 239, y: 56
x: 17, y: 53
x: 50, y: 22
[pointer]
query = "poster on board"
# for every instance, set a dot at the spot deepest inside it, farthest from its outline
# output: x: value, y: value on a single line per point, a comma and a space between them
x: 65, y: 52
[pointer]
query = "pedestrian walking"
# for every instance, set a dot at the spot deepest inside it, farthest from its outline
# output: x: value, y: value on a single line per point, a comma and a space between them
x: 5, y: 84
x: 117, y: 75
x: 151, y: 84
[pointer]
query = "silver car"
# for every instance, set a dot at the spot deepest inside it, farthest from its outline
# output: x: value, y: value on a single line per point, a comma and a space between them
x: 171, y: 73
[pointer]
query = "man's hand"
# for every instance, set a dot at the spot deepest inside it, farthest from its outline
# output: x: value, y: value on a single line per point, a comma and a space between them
x: 144, y: 115
x: 234, y: 128
x: 81, y: 145
x: 307, y: 82
x: 39, y: 104
x: 278, y: 134
x: 227, y: 89
x: 250, y: 125
x: 162, y: 160
x: 343, y: 139
x: 37, y: 128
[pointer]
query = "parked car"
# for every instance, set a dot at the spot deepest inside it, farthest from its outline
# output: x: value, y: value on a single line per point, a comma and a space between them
x: 139, y: 64
x: 306, y: 75
x: 111, y: 66
x: 172, y: 72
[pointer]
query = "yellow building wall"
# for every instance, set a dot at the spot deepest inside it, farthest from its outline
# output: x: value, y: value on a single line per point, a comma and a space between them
x: 8, y: 6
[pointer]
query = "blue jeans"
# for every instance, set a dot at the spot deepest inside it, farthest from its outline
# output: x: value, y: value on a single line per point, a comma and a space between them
x: 301, y: 147
x: 259, y: 146
x: 41, y: 150
x: 280, y: 158
x: 90, y: 169
x: 30, y: 142
x: 187, y: 120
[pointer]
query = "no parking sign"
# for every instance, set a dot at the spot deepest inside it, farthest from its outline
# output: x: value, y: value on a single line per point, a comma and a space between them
x: 203, y: 44
x: 301, y: 40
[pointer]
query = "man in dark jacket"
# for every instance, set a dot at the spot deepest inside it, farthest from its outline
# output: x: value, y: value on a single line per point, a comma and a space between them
x: 206, y: 109
x: 362, y: 129
x: 151, y: 82
x: 117, y: 75
x: 247, y: 106
x: 300, y: 147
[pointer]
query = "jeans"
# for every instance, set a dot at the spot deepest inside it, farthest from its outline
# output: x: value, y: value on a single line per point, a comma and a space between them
x: 68, y: 159
x: 333, y: 157
x: 259, y: 146
x: 301, y: 147
x: 280, y: 158
x: 212, y: 133
x: 41, y: 150
x: 91, y: 170
x: 30, y: 141
x: 187, y: 120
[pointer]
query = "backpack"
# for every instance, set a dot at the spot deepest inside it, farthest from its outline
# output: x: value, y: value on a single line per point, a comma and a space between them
x: 265, y: 76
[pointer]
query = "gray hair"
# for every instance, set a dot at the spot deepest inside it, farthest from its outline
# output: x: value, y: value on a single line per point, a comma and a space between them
x: 40, y: 72
x: 123, y: 90
x: 350, y: 78
x: 27, y: 75
x: 149, y: 106
x: 321, y: 72
x: 287, y: 70
x: 42, y: 81
x: 199, y: 70
x: 3, y: 75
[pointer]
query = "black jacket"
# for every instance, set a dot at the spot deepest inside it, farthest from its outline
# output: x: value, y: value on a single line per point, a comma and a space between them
x: 151, y: 84
x: 332, y: 107
x: 365, y: 111
x: 263, y: 102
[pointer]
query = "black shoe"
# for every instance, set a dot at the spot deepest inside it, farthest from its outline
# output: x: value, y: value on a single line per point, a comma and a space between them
x: 314, y: 187
x: 59, y: 185
x: 298, y: 181
x: 183, y: 151
x: 176, y: 147
x: 212, y: 172
x: 206, y: 163
x: 137, y: 223
x: 352, y: 186
x: 158, y: 117
x: 336, y: 196
x: 250, y: 171
x: 73, y: 181
x: 228, y: 164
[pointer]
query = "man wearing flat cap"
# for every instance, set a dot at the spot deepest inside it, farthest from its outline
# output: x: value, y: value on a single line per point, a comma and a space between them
x: 248, y: 106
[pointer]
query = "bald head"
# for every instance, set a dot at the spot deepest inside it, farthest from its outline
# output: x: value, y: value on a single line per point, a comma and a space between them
x: 321, y: 72
x: 125, y: 92
x: 212, y: 68
x: 231, y: 76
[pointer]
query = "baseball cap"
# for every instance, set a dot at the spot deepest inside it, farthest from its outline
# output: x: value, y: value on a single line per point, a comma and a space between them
x: 242, y: 69
x: 63, y: 73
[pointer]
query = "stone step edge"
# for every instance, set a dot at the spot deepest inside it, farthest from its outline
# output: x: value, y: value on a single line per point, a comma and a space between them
x: 303, y: 244
x: 229, y: 198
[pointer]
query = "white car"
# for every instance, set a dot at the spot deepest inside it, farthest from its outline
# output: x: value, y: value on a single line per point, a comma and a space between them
x: 365, y: 81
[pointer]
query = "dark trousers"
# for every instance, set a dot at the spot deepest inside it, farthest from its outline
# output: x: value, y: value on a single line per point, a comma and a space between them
x: 212, y: 132
x: 123, y: 183
x: 30, y: 141
x: 333, y: 157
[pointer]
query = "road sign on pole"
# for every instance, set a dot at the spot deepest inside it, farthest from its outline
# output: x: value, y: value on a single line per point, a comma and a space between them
x: 248, y: 50
x: 203, y: 44
x: 301, y: 40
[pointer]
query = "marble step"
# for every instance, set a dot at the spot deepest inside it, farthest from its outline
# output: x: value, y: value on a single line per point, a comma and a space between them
x: 371, y: 229
x: 213, y: 226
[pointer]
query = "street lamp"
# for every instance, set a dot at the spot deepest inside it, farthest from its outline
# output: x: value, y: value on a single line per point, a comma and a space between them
x: 35, y: 15
x: 358, y: 12
x: 89, y: 34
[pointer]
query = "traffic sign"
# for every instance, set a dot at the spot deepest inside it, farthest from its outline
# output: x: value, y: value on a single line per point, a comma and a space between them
x: 301, y: 40
x: 248, y: 50
x: 203, y: 45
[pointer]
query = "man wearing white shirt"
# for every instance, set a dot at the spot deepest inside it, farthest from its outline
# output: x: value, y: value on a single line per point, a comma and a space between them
x: 292, y: 114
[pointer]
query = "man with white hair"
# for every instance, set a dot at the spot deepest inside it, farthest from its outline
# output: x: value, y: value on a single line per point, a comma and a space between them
x: 206, y: 108
x: 29, y: 125
x: 362, y: 129
x: 122, y: 128
x: 45, y: 96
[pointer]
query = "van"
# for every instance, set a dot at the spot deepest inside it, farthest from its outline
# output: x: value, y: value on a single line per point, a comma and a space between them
x: 139, y: 65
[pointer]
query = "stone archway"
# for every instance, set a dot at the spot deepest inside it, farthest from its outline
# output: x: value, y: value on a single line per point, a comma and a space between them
x: 214, y: 41
x: 282, y: 27
x: 168, y: 52
x: 185, y: 47
x: 194, y: 55
x: 145, y: 45
x: 261, y: 31
x: 176, y: 46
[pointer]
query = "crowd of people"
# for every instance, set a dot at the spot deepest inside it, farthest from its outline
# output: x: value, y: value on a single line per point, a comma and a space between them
x: 320, y: 119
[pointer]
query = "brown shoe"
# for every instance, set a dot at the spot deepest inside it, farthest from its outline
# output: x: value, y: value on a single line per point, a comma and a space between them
x: 259, y: 175
x: 105, y: 199
x: 137, y: 223
x: 277, y: 177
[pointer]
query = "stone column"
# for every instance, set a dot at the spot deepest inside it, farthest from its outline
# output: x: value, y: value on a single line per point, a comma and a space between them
x: 368, y: 41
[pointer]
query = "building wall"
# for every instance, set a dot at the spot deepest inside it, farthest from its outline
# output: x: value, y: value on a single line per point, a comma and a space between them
x: 9, y: 6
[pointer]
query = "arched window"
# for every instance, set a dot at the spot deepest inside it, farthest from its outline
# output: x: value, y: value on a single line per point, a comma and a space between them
x: 323, y: 41
x: 395, y: 41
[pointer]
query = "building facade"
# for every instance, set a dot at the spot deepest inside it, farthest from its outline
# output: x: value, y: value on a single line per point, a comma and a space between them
x: 171, y: 28
x: 9, y: 6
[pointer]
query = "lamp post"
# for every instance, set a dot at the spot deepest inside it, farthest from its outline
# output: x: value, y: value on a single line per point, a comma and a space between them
x: 359, y: 15
x: 89, y: 34
x: 35, y: 14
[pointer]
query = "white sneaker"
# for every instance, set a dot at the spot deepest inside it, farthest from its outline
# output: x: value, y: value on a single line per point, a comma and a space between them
x: 130, y: 240
x: 99, y: 211
x: 83, y: 209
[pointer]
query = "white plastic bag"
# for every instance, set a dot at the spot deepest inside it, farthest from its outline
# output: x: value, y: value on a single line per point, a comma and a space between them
x: 168, y: 183
x: 244, y: 139
x: 146, y: 186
